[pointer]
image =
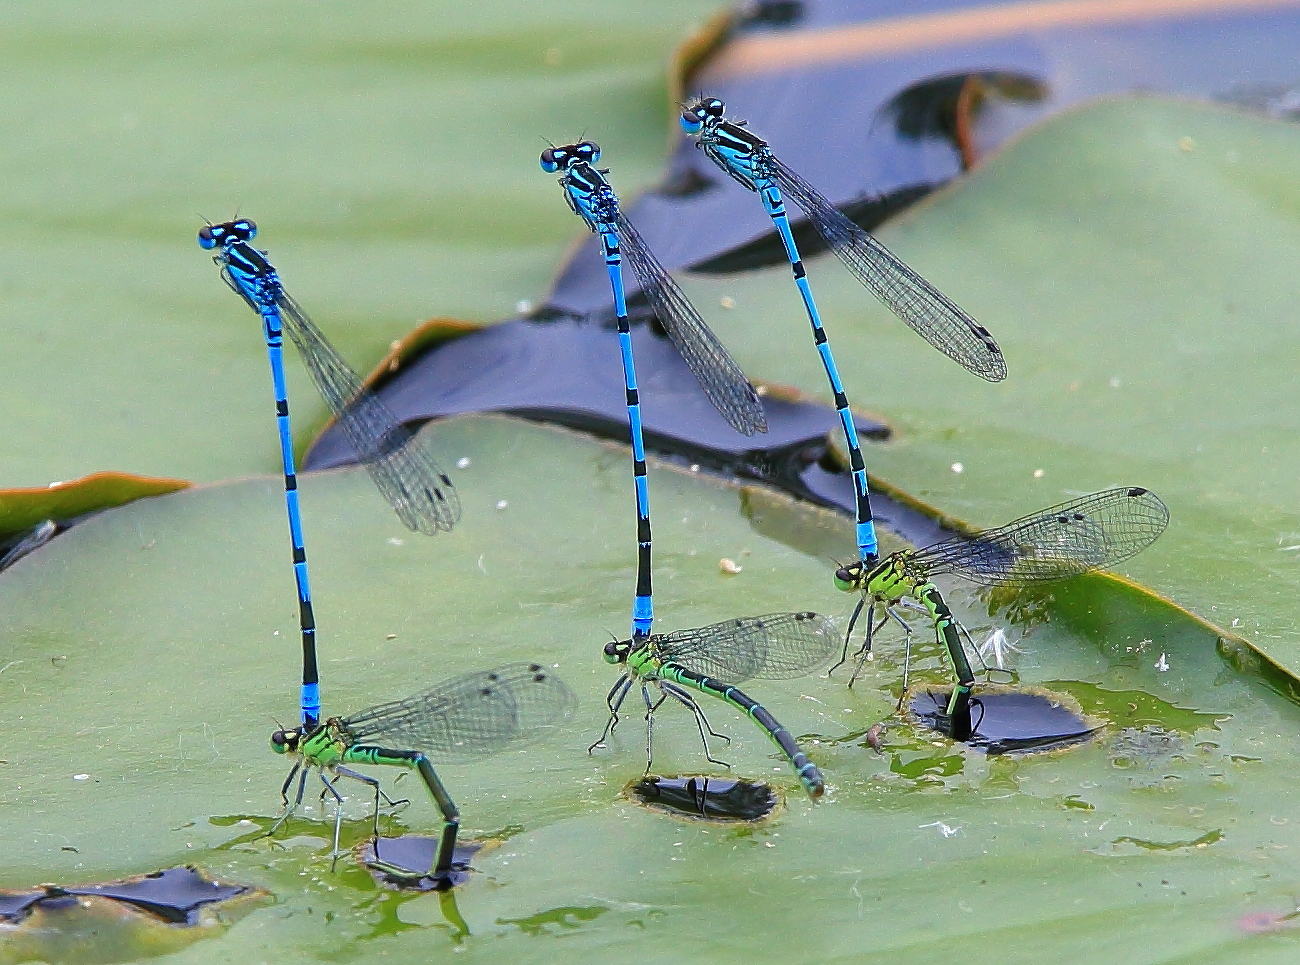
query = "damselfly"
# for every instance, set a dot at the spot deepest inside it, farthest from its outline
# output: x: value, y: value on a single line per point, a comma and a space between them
x: 423, y: 496
x: 420, y: 492
x: 775, y: 646
x: 464, y: 718
x: 1085, y: 534
x: 750, y: 162
x: 592, y: 199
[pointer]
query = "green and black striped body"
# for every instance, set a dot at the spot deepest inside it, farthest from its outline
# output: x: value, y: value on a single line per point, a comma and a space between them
x: 645, y: 664
x: 889, y: 582
x: 463, y: 718
x: 330, y: 745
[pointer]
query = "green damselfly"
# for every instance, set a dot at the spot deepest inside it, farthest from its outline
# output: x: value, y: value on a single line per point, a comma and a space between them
x: 464, y: 718
x: 1088, y: 533
x: 775, y: 646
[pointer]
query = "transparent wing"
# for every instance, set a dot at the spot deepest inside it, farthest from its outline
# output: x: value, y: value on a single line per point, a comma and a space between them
x: 928, y: 311
x: 420, y: 492
x: 1088, y: 533
x: 775, y: 646
x: 719, y: 376
x: 470, y: 716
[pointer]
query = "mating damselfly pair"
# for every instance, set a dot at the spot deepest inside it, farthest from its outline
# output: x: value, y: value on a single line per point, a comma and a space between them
x: 469, y: 716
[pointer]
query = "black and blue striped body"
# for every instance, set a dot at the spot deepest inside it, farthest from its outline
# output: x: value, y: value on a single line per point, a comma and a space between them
x: 747, y: 159
x: 248, y: 272
x: 593, y: 200
x: 804, y: 768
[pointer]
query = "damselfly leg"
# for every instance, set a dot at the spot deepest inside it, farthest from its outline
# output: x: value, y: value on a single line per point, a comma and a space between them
x: 302, y: 772
x: 614, y: 700
x: 701, y: 721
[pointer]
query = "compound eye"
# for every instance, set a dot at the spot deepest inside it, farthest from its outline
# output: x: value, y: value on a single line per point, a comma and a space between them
x: 208, y: 237
x: 715, y: 107
x: 611, y: 649
x: 588, y: 151
x: 692, y: 122
x: 282, y: 741
x: 552, y: 157
x: 246, y: 229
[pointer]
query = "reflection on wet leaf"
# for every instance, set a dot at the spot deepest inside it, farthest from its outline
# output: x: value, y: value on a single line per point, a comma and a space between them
x: 940, y: 763
x: 562, y: 919
x: 391, y: 912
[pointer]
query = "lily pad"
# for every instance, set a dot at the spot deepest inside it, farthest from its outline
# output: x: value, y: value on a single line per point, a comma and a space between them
x: 145, y: 712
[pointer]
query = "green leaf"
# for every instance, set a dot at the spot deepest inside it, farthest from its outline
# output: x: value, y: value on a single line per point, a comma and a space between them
x: 139, y: 721
x: 22, y: 509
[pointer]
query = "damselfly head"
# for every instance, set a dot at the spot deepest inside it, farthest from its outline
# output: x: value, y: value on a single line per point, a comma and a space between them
x: 566, y: 155
x: 211, y: 235
x: 705, y: 110
x: 850, y: 577
x: 617, y: 651
x: 285, y: 741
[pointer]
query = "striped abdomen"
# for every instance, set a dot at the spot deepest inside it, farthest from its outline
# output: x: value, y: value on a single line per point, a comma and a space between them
x: 945, y: 625
x: 806, y: 769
